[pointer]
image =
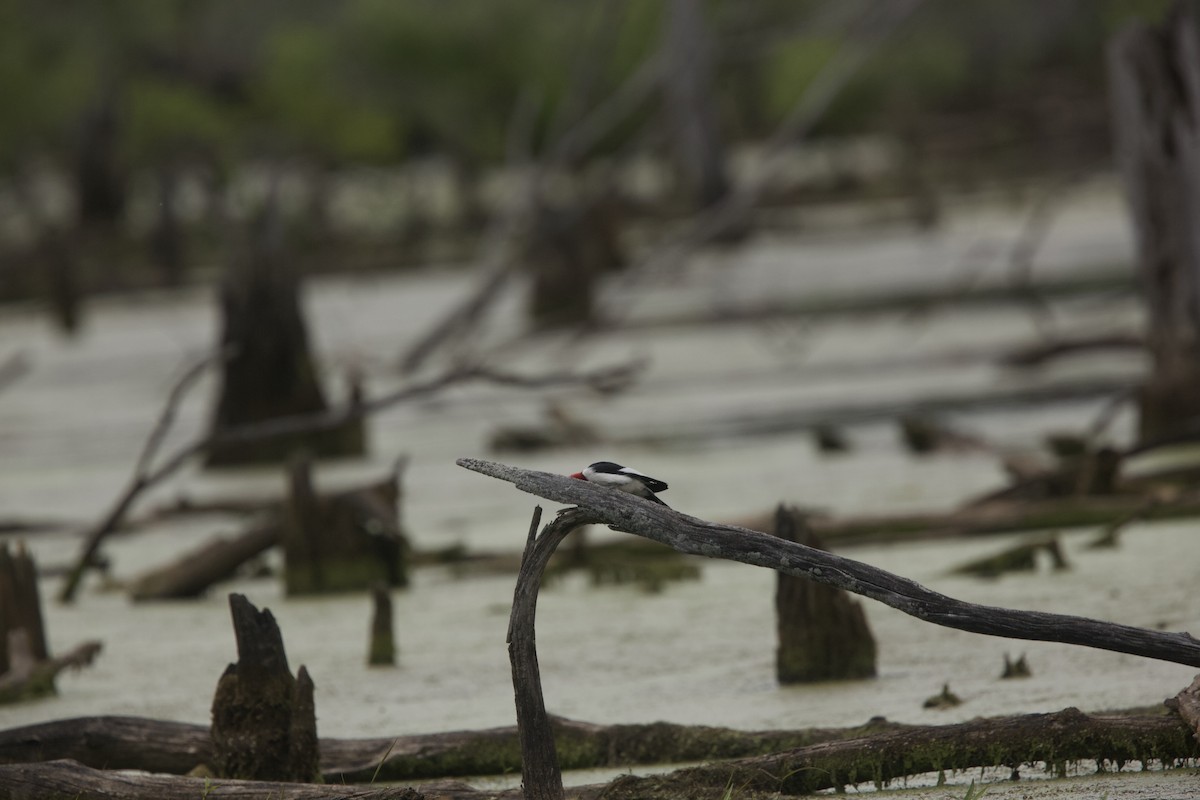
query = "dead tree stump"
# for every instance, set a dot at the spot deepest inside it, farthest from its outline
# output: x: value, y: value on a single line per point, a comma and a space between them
x: 20, y: 606
x: 382, y: 650
x: 823, y: 633
x: 1155, y: 76
x: 271, y: 372
x: 264, y: 724
x: 26, y: 669
x: 342, y: 542
x: 569, y: 250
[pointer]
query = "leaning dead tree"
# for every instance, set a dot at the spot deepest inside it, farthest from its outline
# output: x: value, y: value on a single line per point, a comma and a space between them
x: 1155, y: 77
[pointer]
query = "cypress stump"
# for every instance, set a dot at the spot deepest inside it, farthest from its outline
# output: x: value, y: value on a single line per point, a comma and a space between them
x: 1155, y: 78
x: 270, y: 372
x: 823, y: 633
x: 264, y: 722
x: 344, y: 541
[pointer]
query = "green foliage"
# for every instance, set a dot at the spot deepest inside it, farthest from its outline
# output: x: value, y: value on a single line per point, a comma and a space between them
x: 166, y: 118
x: 310, y: 105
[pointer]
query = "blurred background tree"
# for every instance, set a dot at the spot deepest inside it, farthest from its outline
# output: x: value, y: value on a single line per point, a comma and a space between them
x: 131, y: 133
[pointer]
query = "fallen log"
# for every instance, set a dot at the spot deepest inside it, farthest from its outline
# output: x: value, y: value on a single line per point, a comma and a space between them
x: 138, y: 743
x: 58, y: 779
x: 1052, y: 739
x: 115, y: 742
x: 213, y: 561
x: 994, y: 517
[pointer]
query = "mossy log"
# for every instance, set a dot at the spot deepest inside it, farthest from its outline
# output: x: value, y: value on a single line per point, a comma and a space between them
x: 264, y: 724
x: 822, y: 632
x: 872, y: 756
x: 344, y: 541
x: 1053, y: 739
x: 1019, y: 558
x: 137, y: 743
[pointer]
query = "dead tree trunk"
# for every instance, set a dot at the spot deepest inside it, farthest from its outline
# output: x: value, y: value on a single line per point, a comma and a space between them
x: 271, y: 372
x: 1155, y: 77
x: 541, y: 775
x: 264, y: 724
x: 823, y: 633
x: 346, y: 541
x: 26, y: 669
x: 688, y: 54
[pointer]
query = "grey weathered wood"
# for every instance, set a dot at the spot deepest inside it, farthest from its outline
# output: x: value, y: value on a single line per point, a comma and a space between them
x: 541, y: 776
x: 624, y: 512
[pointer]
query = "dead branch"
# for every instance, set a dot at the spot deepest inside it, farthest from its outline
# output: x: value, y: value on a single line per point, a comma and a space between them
x: 624, y: 512
x: 540, y: 773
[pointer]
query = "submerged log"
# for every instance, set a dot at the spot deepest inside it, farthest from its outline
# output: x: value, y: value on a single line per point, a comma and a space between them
x: 344, y: 541
x: 264, y: 724
x: 822, y: 633
x: 1053, y: 739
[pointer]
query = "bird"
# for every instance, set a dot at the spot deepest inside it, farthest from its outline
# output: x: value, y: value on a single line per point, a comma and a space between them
x: 627, y: 479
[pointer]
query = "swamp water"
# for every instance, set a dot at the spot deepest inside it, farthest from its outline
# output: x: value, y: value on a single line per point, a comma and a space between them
x: 699, y: 651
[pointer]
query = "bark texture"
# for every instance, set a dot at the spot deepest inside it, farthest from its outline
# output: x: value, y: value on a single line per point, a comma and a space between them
x: 264, y: 724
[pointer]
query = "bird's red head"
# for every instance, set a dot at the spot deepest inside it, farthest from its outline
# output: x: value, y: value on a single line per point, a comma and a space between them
x: 578, y: 476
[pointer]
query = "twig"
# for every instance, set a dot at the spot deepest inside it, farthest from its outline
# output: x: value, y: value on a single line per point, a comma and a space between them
x: 624, y: 512
x: 142, y: 477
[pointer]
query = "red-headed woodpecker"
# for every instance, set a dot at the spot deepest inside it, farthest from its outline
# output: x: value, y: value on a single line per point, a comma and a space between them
x: 627, y: 479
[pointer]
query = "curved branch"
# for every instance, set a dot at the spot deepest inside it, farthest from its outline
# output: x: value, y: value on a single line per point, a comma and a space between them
x: 624, y: 512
